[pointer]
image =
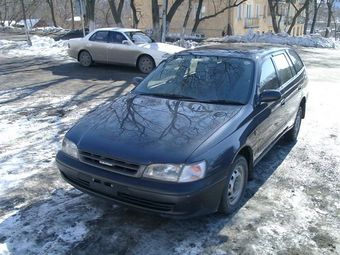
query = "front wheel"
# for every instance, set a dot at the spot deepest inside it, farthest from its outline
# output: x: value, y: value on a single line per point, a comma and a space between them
x: 292, y: 134
x: 235, y: 186
x: 145, y: 64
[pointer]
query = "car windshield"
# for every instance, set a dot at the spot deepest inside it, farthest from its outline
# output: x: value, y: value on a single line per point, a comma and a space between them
x: 211, y: 79
x: 138, y: 37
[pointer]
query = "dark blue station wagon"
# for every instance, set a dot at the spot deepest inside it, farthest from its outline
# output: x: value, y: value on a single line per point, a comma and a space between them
x: 185, y: 141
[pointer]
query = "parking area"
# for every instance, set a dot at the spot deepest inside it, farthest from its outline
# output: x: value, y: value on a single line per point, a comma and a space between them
x: 291, y: 207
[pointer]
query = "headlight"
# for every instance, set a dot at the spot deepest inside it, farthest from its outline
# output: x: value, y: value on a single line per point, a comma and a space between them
x: 176, y: 173
x: 69, y: 148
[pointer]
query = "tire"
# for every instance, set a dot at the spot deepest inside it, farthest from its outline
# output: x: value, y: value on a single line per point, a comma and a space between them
x: 293, y: 133
x: 233, y: 194
x: 85, y: 58
x: 145, y: 64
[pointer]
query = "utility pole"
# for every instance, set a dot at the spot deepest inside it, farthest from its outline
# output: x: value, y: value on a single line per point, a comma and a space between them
x: 165, y: 7
x: 29, y: 42
x: 82, y: 16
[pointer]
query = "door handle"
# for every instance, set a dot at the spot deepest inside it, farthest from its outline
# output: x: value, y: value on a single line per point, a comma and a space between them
x: 300, y: 87
x: 283, y: 101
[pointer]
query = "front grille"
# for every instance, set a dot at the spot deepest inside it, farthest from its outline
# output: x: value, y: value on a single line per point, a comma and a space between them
x: 76, y: 180
x: 109, y: 164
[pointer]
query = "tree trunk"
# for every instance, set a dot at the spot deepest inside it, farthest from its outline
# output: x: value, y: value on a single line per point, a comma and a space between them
x: 197, y: 16
x: 29, y: 42
x: 72, y: 13
x: 329, y: 17
x: 173, y: 9
x: 306, y: 18
x: 155, y: 20
x: 185, y: 22
x: 89, y: 18
x: 297, y: 14
x: 315, y: 15
x: 273, y: 16
x: 135, y: 19
x: 51, y: 5
x: 117, y: 12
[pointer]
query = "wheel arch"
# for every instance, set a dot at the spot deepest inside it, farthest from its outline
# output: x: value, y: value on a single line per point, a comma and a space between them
x: 247, y: 152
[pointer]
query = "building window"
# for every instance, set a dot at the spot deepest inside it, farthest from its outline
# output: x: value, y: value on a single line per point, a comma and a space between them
x: 249, y: 11
x: 257, y: 11
x: 239, y: 12
x: 264, y: 11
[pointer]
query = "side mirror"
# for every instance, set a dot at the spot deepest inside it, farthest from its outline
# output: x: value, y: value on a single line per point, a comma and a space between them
x: 270, y: 95
x: 137, y: 80
x: 126, y: 42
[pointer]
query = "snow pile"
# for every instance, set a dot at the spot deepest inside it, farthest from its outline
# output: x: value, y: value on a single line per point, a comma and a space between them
x: 41, y: 46
x: 314, y: 40
x: 188, y: 44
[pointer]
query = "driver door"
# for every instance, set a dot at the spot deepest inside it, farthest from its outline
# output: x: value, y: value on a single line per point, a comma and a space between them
x: 118, y: 52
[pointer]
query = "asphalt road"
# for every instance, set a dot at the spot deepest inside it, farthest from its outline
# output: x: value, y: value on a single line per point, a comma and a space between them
x: 291, y: 207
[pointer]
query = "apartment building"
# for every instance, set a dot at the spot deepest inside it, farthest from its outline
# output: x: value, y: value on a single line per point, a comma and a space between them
x: 251, y: 15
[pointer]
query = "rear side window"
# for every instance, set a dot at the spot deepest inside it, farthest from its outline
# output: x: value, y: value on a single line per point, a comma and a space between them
x: 100, y: 36
x: 116, y: 37
x: 296, y: 60
x: 283, y: 68
x: 268, y: 78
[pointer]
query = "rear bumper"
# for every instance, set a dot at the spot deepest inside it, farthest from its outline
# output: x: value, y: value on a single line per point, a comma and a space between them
x: 172, y: 200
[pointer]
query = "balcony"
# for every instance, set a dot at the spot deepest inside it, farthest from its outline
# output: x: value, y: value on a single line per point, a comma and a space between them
x: 251, y: 22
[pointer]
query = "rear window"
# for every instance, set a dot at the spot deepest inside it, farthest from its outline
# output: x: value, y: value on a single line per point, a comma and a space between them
x: 296, y: 60
x: 283, y: 68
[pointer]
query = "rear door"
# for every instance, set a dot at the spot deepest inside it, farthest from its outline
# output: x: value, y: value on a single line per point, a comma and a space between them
x: 97, y: 46
x: 289, y: 89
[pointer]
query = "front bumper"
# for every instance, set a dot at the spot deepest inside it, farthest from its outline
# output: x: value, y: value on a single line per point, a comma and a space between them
x: 178, y: 200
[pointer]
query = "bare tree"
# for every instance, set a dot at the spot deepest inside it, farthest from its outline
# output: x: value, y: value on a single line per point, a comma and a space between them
x: 185, y: 22
x: 224, y: 5
x: 330, y: 5
x: 90, y: 13
x: 29, y: 42
x: 307, y: 13
x: 72, y: 13
x: 298, y: 12
x: 51, y: 5
x: 117, y: 12
x: 316, y: 6
x: 155, y: 20
x: 135, y: 18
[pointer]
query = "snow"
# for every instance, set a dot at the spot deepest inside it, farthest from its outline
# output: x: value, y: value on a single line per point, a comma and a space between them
x: 314, y: 40
x: 41, y: 46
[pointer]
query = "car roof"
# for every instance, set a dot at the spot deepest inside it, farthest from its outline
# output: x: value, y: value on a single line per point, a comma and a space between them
x: 119, y: 29
x: 244, y: 50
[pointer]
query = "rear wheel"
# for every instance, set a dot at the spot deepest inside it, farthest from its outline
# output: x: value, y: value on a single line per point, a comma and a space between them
x: 292, y: 134
x: 235, y: 186
x: 85, y: 58
x: 145, y: 64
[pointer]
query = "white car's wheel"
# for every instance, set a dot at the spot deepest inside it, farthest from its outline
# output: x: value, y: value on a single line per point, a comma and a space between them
x: 145, y: 64
x: 85, y: 58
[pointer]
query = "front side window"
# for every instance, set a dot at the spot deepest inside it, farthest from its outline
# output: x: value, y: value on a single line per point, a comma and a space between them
x: 211, y: 79
x: 268, y: 78
x: 100, y: 36
x: 138, y: 37
x: 116, y: 37
x: 283, y: 68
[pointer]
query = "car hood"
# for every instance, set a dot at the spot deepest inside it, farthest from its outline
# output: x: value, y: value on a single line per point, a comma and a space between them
x: 144, y: 130
x: 162, y: 47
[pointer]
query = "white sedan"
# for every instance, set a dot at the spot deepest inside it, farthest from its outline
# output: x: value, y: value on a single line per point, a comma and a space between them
x: 120, y: 46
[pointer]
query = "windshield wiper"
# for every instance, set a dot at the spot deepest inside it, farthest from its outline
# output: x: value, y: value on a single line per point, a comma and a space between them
x: 170, y: 96
x: 221, y: 101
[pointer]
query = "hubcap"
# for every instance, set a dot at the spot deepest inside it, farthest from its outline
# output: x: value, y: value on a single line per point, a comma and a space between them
x: 85, y: 59
x: 146, y: 65
x: 235, y: 185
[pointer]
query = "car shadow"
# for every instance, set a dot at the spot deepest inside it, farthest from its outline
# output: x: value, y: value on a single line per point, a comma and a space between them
x: 70, y: 222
